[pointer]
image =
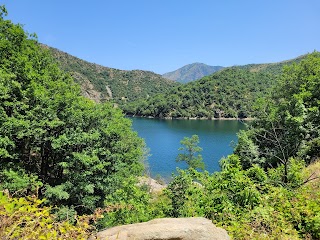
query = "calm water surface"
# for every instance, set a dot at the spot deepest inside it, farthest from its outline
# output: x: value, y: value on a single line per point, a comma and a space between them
x: 163, y: 141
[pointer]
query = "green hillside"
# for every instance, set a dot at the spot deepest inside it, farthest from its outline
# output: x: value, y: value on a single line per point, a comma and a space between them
x: 229, y: 93
x: 191, y: 72
x: 226, y: 94
x: 272, y: 68
x: 102, y: 83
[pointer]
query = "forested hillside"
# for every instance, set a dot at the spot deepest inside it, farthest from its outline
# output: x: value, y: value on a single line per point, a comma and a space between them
x: 272, y: 68
x: 102, y: 83
x: 191, y: 72
x: 229, y: 93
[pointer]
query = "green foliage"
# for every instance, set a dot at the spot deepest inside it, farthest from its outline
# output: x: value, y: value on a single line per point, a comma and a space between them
x: 297, y: 210
x: 77, y: 149
x: 65, y: 213
x: 24, y: 218
x: 97, y: 82
x: 190, y: 153
x: 3, y: 11
x: 249, y: 204
x: 302, y: 83
x: 288, y: 124
x: 247, y: 150
x: 131, y: 203
x: 200, y: 194
x: 84, y: 157
x: 19, y: 183
x: 181, y: 193
x: 294, y: 174
x: 229, y: 93
x: 257, y: 175
x: 235, y: 183
x: 272, y: 68
x: 128, y: 204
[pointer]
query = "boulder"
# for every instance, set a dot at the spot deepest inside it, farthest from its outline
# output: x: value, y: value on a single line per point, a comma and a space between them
x: 166, y: 229
x: 152, y: 184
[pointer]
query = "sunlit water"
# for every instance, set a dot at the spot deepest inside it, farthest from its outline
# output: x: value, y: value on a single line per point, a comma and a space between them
x: 163, y: 141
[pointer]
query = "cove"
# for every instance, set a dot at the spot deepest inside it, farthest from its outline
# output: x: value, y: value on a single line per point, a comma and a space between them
x: 163, y: 138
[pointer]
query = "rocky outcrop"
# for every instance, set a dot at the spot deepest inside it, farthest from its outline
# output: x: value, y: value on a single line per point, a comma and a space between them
x: 166, y: 229
x: 153, y: 185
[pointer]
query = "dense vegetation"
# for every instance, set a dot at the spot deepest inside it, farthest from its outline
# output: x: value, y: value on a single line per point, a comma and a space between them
x: 102, y: 83
x: 271, y: 68
x: 54, y: 143
x: 23, y: 218
x: 252, y: 203
x: 191, y: 72
x: 229, y: 93
x: 264, y: 191
x: 288, y: 124
x: 62, y: 155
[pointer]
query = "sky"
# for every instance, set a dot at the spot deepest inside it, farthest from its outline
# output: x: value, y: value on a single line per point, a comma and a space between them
x: 164, y: 35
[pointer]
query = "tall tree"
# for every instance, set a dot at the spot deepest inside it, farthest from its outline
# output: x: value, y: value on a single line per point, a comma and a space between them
x: 79, y: 150
x: 190, y: 153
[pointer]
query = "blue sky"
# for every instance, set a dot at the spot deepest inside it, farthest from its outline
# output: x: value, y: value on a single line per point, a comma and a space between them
x: 163, y: 35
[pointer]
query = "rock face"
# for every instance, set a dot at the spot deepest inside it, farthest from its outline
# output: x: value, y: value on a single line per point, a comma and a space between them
x: 152, y: 184
x: 166, y: 229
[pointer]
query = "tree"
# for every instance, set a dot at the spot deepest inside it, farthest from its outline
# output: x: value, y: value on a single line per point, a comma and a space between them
x: 288, y: 124
x: 191, y: 152
x: 300, y: 84
x: 247, y: 150
x: 80, y: 151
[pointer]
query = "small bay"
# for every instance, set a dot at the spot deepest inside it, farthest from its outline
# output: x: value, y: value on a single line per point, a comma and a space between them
x: 163, y: 138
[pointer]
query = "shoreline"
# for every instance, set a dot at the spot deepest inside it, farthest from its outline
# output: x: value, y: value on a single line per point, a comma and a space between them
x: 192, y: 118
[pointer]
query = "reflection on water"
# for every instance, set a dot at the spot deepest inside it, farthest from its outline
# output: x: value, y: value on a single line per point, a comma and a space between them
x: 163, y: 140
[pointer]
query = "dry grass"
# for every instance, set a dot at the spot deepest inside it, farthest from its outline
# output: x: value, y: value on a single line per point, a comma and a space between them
x: 312, y: 173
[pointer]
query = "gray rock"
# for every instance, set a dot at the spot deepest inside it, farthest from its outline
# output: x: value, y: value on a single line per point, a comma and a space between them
x: 152, y: 184
x: 166, y: 229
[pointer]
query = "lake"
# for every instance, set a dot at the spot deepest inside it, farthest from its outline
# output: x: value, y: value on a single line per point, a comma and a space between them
x: 163, y: 138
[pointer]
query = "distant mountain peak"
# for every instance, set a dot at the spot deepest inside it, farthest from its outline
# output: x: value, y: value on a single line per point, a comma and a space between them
x: 191, y: 72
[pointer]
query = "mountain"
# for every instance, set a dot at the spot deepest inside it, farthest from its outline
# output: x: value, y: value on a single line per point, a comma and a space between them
x: 191, y: 72
x: 103, y: 83
x: 229, y: 93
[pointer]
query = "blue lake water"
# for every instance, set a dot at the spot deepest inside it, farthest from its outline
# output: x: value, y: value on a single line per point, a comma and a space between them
x: 163, y: 138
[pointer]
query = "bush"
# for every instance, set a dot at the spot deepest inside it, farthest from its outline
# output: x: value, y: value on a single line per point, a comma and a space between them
x: 24, y: 218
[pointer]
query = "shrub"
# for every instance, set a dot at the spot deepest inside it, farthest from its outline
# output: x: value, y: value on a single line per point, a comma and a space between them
x: 24, y: 218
